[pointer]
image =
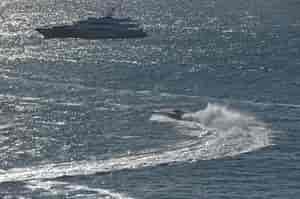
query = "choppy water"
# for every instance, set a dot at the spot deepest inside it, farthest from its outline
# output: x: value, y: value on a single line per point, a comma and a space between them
x: 76, y: 115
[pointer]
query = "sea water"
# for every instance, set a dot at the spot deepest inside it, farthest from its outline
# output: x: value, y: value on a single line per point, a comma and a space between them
x: 76, y: 116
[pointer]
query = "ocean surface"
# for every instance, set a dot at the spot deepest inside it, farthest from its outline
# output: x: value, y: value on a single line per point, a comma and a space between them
x: 76, y: 116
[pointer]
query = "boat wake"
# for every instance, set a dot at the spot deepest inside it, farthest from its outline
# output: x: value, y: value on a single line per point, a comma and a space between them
x: 220, y: 132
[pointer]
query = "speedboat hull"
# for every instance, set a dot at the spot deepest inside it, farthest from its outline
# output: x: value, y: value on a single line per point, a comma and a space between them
x: 170, y: 113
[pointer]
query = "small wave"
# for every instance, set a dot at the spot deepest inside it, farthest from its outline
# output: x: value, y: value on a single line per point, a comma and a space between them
x: 54, y: 123
x: 71, y: 104
x: 287, y: 105
x: 64, y: 188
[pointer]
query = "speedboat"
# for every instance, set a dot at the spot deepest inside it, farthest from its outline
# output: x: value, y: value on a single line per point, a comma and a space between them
x: 95, y: 28
x: 170, y: 113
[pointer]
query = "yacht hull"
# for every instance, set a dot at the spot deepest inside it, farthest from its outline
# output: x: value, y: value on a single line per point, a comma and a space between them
x: 94, y: 29
x: 88, y: 34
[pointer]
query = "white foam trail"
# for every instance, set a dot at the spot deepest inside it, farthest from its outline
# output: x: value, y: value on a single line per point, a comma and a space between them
x: 51, y: 171
x: 57, y: 187
x: 221, y: 132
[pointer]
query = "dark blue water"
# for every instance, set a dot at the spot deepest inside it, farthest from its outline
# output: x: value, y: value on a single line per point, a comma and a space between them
x: 76, y: 116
